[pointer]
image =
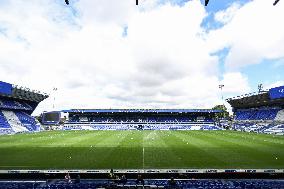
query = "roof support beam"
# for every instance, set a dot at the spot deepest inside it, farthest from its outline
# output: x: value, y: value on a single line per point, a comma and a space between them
x: 276, y: 2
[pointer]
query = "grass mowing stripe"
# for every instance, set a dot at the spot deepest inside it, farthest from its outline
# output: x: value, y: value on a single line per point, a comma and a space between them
x: 202, y: 149
x: 29, y: 139
x: 57, y: 157
x: 176, y: 146
x: 128, y: 153
x: 157, y: 152
x: 255, y: 136
x: 256, y: 154
x: 251, y: 142
x: 234, y: 154
x: 98, y: 155
x: 45, y: 139
x: 124, y: 149
x: 74, y: 140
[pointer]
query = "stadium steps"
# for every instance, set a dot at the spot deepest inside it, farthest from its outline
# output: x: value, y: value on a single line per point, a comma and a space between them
x: 27, y: 120
x: 280, y: 116
x: 5, y: 128
x: 14, y: 121
x: 3, y: 121
x: 277, y: 129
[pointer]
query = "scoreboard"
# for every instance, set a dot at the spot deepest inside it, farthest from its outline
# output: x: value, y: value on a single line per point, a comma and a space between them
x: 5, y: 88
x: 51, y: 117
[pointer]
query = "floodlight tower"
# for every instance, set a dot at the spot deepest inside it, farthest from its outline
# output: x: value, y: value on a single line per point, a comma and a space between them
x: 260, y: 88
x: 54, y: 90
x: 206, y: 2
x: 221, y: 88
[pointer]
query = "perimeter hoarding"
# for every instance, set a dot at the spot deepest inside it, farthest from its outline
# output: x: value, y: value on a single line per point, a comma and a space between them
x: 5, y: 88
x: 277, y: 92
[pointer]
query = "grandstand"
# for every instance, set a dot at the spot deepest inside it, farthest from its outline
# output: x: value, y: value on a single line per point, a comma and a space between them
x: 16, y: 105
x: 156, y: 143
x: 141, y: 119
x: 149, y: 184
x: 261, y: 112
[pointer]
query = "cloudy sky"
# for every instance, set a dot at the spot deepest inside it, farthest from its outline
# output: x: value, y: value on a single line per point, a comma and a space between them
x: 160, y: 54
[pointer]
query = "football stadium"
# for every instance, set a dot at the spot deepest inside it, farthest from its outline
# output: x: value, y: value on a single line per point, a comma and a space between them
x: 173, y: 141
x: 142, y: 141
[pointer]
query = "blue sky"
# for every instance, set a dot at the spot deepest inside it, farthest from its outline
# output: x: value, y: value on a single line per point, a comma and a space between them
x: 266, y: 71
x: 160, y: 54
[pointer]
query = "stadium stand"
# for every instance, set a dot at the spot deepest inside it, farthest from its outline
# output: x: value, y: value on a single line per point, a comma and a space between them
x: 5, y: 128
x: 261, y: 112
x: 153, y: 183
x: 3, y: 122
x: 135, y: 127
x: 28, y: 121
x: 280, y: 116
x: 13, y: 121
x: 16, y: 105
x: 257, y: 114
x: 13, y: 104
x: 141, y: 119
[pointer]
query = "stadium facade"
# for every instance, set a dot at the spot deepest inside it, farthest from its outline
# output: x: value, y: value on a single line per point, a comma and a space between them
x: 16, y: 106
x: 261, y: 112
x: 136, y: 119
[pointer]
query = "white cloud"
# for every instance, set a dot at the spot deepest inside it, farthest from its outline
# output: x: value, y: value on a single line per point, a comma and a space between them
x: 253, y: 34
x: 279, y: 63
x: 235, y: 83
x: 225, y: 16
x: 163, y: 61
x: 274, y: 84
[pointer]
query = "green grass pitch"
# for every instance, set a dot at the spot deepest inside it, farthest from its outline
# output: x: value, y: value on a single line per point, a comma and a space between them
x: 141, y: 149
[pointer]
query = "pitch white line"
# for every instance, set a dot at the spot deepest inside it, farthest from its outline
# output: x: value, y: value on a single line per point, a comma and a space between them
x: 143, y: 157
x: 143, y: 151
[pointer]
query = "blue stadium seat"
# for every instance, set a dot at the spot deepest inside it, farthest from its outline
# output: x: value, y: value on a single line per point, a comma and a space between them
x: 94, y: 184
x: 13, y: 104
x: 27, y: 120
x: 149, y: 126
x: 257, y: 114
x: 3, y: 122
x: 133, y: 119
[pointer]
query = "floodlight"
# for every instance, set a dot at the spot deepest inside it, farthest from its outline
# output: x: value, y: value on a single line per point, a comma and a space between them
x: 206, y: 2
x: 276, y: 2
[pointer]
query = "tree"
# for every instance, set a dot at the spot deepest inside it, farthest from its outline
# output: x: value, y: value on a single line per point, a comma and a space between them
x: 223, y: 114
